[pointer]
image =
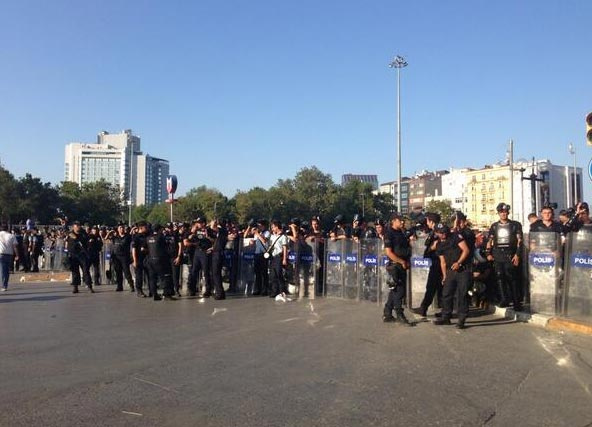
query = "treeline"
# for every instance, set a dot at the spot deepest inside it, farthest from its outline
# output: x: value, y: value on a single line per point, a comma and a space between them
x: 310, y: 192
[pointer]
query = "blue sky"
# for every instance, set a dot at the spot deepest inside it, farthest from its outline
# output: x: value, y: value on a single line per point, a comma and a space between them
x: 238, y: 94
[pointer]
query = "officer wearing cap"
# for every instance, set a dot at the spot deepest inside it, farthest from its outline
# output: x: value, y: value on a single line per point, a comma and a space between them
x: 121, y: 243
x: 504, y: 247
x: 461, y: 226
x: 158, y: 264
x: 76, y: 245
x: 201, y: 239
x: 398, y: 251
x: 139, y: 250
x: 454, y: 254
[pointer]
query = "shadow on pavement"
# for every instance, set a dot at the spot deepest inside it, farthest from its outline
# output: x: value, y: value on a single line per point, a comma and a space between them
x: 42, y: 298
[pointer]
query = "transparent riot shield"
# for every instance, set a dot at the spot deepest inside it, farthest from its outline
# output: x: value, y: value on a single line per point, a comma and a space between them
x: 291, y: 270
x: 419, y: 271
x: 246, y: 268
x: 544, y: 267
x: 59, y: 255
x: 107, y: 272
x: 306, y: 269
x: 369, y: 262
x: 577, y: 301
x: 334, y: 268
x: 383, y: 276
x: 351, y: 282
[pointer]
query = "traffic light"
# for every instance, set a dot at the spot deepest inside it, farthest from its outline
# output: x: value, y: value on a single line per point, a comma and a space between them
x: 589, y: 129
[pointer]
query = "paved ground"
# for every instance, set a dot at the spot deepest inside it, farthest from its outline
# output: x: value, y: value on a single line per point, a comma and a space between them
x: 112, y: 359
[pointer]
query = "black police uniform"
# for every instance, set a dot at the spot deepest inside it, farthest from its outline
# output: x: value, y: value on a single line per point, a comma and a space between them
x: 202, y: 262
x: 77, y: 255
x: 539, y: 226
x: 218, y: 256
x: 157, y: 262
x: 121, y: 260
x: 139, y: 244
x: 396, y: 240
x: 173, y: 240
x: 36, y: 249
x: 434, y: 281
x: 506, y: 242
x: 95, y: 245
x: 456, y: 282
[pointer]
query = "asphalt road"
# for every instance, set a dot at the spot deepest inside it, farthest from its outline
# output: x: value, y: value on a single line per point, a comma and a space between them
x: 111, y: 359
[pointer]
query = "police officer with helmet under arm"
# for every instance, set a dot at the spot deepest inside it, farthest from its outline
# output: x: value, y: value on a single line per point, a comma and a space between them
x: 398, y: 251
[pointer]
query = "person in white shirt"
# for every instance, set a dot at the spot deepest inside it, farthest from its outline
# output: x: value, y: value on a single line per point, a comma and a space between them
x: 8, y: 250
x: 278, y: 244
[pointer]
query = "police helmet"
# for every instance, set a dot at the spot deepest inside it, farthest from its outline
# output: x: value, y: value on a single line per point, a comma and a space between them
x: 338, y: 219
x: 503, y: 207
x: 380, y: 221
x: 442, y: 228
x: 358, y: 217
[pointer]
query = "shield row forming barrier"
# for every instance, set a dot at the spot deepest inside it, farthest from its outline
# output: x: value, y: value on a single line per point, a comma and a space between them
x: 557, y: 274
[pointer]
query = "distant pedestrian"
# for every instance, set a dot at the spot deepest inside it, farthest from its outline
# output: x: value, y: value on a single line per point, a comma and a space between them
x: 8, y: 250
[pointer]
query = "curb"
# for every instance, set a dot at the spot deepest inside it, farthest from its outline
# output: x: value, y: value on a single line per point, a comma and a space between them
x: 551, y: 323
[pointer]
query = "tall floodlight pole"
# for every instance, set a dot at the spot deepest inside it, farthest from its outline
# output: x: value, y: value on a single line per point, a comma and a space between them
x: 572, y: 151
x: 398, y: 63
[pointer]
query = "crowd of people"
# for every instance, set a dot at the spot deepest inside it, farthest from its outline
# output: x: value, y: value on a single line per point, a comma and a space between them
x: 463, y: 263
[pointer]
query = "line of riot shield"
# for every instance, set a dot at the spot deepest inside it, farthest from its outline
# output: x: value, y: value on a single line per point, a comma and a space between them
x: 544, y: 270
x: 370, y: 250
x: 301, y: 258
x: 334, y: 268
x: 351, y: 282
x: 577, y: 299
x: 419, y: 270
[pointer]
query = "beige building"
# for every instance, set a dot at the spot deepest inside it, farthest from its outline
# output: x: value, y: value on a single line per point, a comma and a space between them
x: 485, y: 188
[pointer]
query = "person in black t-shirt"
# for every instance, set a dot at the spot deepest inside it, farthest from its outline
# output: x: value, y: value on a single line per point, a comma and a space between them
x: 453, y: 252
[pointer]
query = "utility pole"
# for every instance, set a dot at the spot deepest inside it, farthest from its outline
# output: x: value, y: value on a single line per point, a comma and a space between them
x: 533, y: 178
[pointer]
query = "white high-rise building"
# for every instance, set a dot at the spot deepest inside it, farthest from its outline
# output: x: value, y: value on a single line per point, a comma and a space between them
x: 118, y: 159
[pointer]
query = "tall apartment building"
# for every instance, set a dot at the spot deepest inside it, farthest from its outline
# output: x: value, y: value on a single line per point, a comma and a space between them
x: 118, y: 159
x: 392, y: 188
x: 369, y: 179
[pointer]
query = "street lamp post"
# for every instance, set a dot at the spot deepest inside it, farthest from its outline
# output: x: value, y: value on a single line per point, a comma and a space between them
x: 572, y: 151
x: 398, y: 63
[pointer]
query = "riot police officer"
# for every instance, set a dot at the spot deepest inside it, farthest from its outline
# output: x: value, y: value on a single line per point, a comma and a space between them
x: 174, y: 247
x: 138, y: 255
x: 453, y: 252
x: 504, y: 248
x: 120, y: 257
x: 201, y: 240
x: 398, y: 251
x: 76, y: 245
x: 157, y: 262
x: 95, y: 245
x: 220, y: 234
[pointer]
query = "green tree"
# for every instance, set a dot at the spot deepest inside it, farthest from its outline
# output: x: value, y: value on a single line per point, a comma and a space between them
x: 8, y: 196
x: 37, y: 200
x: 443, y: 207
